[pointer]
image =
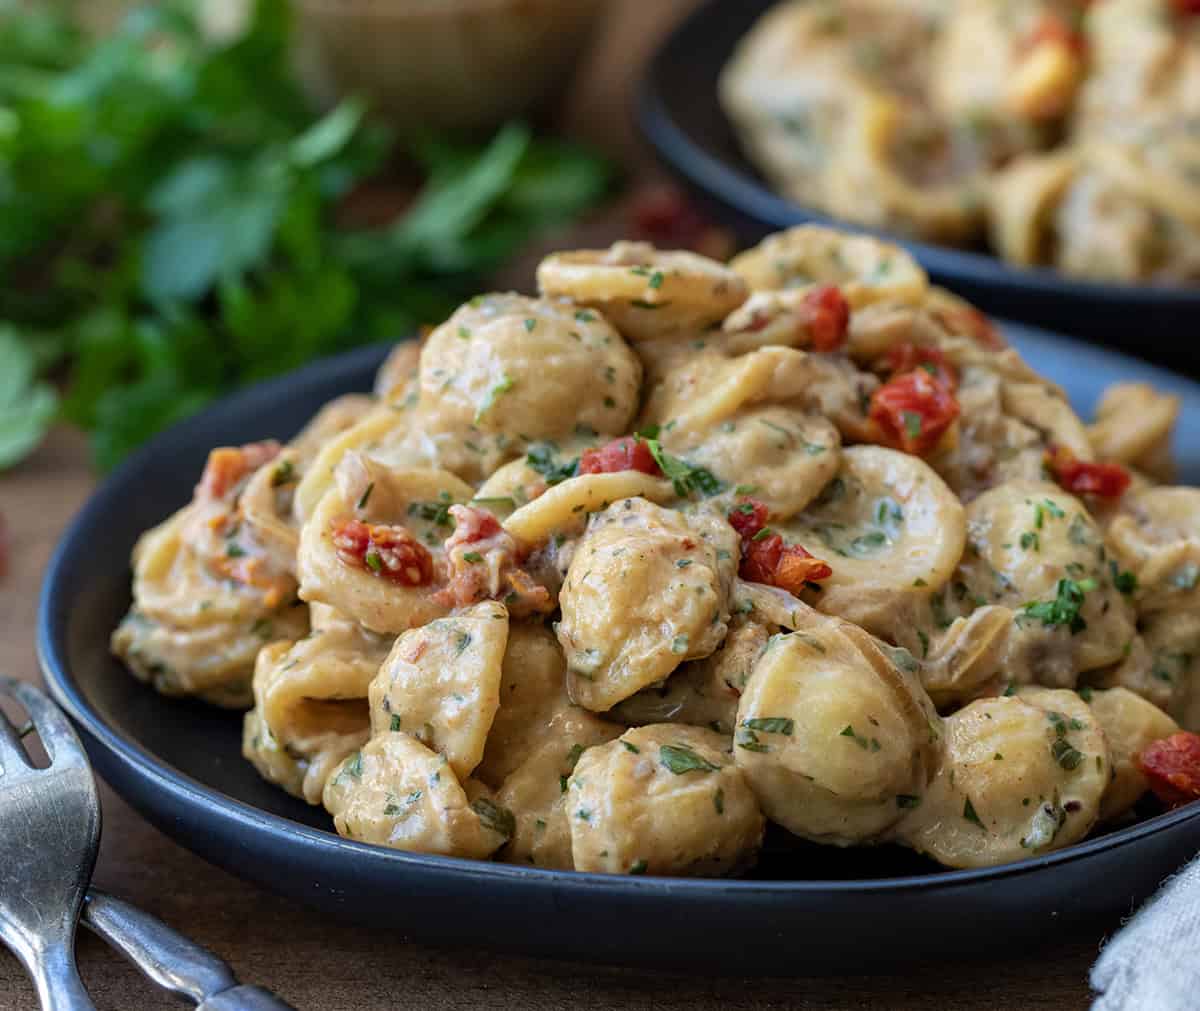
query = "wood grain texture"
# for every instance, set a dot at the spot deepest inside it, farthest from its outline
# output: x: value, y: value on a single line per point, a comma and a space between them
x: 320, y: 965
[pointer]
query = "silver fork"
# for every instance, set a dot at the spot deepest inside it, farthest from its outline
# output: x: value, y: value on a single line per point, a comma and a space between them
x: 49, y: 834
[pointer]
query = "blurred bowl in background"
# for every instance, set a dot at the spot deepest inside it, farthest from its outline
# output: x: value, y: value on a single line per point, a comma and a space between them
x: 442, y: 63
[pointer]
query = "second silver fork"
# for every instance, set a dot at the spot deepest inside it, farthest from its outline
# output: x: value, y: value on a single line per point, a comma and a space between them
x: 49, y: 834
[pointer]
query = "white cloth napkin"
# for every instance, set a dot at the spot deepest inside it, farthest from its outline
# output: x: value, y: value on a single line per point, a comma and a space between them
x: 1153, y: 964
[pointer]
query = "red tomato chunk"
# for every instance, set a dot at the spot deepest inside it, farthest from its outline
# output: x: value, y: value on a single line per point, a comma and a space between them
x: 909, y: 357
x: 912, y: 412
x: 828, y: 317
x: 471, y: 524
x: 628, y: 453
x: 389, y: 552
x: 227, y: 466
x: 787, y: 566
x: 1107, y: 480
x: 748, y: 517
x: 765, y: 556
x: 1172, y: 765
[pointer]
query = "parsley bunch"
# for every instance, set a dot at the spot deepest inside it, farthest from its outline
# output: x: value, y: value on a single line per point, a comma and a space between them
x: 168, y: 219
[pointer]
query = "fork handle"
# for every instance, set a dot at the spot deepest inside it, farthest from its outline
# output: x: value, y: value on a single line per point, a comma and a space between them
x: 57, y: 980
x: 170, y: 960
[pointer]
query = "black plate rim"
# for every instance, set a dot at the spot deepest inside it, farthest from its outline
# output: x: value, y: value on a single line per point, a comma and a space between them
x: 754, y: 198
x: 173, y: 786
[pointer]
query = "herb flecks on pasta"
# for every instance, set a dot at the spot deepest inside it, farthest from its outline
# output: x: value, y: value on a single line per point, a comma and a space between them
x: 608, y: 578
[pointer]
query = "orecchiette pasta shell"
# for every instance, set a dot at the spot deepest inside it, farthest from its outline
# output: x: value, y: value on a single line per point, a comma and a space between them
x: 539, y: 368
x: 267, y: 514
x: 647, y: 294
x: 1022, y: 200
x: 708, y: 390
x: 647, y: 589
x: 834, y: 736
x: 304, y: 774
x: 781, y: 456
x: 335, y: 417
x: 891, y: 531
x: 1020, y: 776
x: 396, y: 792
x: 376, y: 603
x: 441, y: 684
x: 702, y: 693
x: 1156, y: 536
x: 532, y: 698
x: 318, y: 684
x: 536, y: 791
x: 190, y: 632
x: 1133, y: 425
x: 867, y: 270
x: 1048, y: 414
x: 663, y: 799
x: 318, y: 477
x: 1036, y: 549
x: 967, y: 657
x: 872, y: 186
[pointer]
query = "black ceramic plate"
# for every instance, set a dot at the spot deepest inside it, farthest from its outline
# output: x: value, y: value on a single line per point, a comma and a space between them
x: 808, y: 907
x: 679, y: 112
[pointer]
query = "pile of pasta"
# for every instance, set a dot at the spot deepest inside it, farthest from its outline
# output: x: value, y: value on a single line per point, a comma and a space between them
x: 1066, y: 132
x: 607, y: 578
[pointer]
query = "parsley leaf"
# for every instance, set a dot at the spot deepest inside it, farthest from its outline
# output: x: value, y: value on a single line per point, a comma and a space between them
x: 679, y: 758
x: 771, y: 725
x: 541, y: 458
x: 1064, y: 608
x: 498, y: 819
x: 686, y: 477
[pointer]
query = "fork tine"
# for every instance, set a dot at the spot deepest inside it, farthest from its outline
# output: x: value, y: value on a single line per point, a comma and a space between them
x: 52, y: 726
x: 12, y: 752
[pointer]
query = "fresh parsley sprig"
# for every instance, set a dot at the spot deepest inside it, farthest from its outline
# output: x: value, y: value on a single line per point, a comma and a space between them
x: 175, y: 221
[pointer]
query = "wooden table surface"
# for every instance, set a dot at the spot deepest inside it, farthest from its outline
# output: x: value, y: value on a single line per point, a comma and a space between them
x: 319, y: 965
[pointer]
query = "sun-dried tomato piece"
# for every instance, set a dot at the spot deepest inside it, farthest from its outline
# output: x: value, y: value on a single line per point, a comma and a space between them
x: 1186, y: 7
x: 911, y: 412
x: 1106, y: 480
x: 471, y: 525
x: 627, y: 453
x: 389, y: 552
x: 1172, y: 765
x: 797, y: 568
x: 765, y: 556
x: 788, y: 566
x: 908, y: 357
x: 826, y: 317
x: 227, y: 466
x: 748, y: 517
x: 484, y: 561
